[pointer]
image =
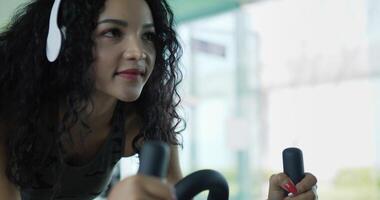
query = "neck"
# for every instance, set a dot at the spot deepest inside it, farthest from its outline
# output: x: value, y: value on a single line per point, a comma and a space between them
x: 100, y: 114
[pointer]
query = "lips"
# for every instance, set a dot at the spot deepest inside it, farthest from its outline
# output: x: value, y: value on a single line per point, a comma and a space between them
x: 131, y: 72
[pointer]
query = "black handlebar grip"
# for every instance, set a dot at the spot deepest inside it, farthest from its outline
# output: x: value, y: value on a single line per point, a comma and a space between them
x: 154, y: 159
x: 293, y: 164
x: 203, y: 180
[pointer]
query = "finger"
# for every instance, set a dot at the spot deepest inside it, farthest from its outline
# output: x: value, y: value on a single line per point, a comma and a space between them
x: 129, y: 187
x: 141, y: 187
x: 306, y: 183
x: 139, y: 196
x: 309, y: 195
x: 276, y: 189
x: 277, y: 180
x: 157, y: 189
x: 285, y: 183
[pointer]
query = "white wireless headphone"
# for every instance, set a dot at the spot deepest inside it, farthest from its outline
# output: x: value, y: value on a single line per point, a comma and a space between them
x: 55, y: 35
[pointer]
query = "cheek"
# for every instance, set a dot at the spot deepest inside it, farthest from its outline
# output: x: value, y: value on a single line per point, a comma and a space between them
x: 105, y: 62
x: 106, y: 53
x: 153, y: 57
x: 100, y: 75
x: 152, y: 63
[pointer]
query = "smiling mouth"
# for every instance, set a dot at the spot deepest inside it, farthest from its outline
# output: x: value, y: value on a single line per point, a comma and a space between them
x: 133, y: 71
x: 130, y: 75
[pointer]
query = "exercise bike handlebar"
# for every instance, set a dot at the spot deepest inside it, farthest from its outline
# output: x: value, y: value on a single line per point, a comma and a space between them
x: 154, y: 159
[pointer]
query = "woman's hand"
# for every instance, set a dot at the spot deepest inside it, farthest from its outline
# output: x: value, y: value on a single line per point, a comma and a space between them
x: 140, y: 187
x: 304, y: 190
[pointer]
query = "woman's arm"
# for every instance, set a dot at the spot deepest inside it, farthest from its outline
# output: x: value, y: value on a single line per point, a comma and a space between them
x: 7, y: 189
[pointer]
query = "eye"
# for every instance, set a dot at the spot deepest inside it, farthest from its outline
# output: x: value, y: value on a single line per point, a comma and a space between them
x: 150, y: 36
x: 112, y: 33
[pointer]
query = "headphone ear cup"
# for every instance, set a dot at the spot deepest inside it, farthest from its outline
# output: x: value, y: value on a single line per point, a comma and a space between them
x: 55, y: 35
x: 54, y: 44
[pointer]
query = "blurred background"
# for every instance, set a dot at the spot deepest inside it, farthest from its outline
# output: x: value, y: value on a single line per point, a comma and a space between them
x: 263, y: 75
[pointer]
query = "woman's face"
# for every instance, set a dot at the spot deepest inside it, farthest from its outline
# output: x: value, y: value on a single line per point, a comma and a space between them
x: 124, y: 49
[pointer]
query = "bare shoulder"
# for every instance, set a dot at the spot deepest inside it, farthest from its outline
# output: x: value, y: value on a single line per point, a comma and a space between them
x: 7, y: 189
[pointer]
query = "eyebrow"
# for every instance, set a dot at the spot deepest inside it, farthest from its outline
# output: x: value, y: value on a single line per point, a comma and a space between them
x: 123, y: 23
x: 114, y: 21
x: 148, y: 25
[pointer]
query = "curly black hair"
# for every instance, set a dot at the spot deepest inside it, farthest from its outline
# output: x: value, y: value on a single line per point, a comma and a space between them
x: 32, y: 89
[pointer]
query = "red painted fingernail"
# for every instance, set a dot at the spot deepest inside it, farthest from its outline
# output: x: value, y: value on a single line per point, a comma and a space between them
x: 290, y: 187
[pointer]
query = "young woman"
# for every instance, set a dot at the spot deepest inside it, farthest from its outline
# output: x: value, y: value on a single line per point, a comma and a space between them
x: 67, y: 119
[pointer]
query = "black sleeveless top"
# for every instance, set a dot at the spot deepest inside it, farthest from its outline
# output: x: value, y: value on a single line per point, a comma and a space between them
x: 83, y: 182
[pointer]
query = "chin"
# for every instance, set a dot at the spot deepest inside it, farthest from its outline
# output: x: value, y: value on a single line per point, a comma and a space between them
x: 127, y: 100
x: 128, y: 97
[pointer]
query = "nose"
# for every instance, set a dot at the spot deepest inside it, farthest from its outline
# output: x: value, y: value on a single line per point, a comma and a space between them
x: 134, y: 49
